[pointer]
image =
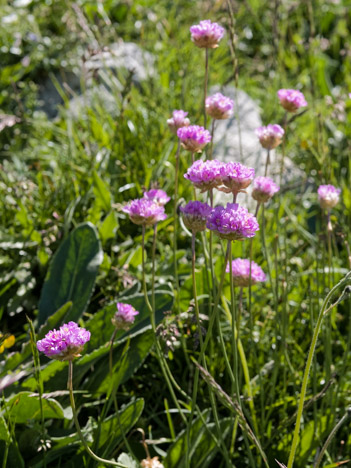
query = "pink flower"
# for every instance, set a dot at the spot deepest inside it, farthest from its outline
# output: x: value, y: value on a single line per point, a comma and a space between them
x: 328, y: 196
x: 233, y: 222
x: 178, y: 120
x: 64, y: 344
x: 145, y: 212
x: 205, y: 175
x: 194, y: 138
x: 291, y: 99
x: 236, y: 177
x: 241, y: 272
x: 219, y: 107
x: 124, y: 317
x: 206, y: 34
x: 158, y: 196
x: 263, y: 189
x: 195, y: 215
x: 271, y: 136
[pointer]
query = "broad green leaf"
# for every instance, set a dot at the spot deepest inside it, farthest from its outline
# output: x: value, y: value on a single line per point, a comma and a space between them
x: 25, y: 406
x: 72, y: 273
x: 107, y: 228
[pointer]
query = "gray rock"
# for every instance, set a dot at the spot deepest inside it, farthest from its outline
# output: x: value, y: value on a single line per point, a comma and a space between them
x: 97, y: 70
x: 235, y: 138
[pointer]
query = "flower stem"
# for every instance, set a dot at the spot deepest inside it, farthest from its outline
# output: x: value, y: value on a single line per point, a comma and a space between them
x: 164, y: 366
x: 322, y: 313
x: 235, y: 331
x: 205, y: 86
x: 212, y: 134
x: 76, y: 422
x: 175, y: 224
x: 267, y: 163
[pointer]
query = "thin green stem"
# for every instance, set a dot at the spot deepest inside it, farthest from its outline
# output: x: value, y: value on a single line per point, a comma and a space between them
x: 235, y: 331
x: 324, y: 310
x: 76, y: 422
x: 267, y: 163
x: 175, y: 225
x: 205, y: 86
x: 212, y: 135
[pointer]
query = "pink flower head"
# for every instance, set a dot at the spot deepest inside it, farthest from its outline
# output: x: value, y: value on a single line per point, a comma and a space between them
x: 291, y: 99
x: 219, y: 107
x: 263, y: 189
x: 178, y: 120
x: 64, y: 344
x: 236, y: 177
x: 205, y: 175
x: 193, y: 138
x: 328, y: 196
x: 233, y: 222
x: 124, y: 317
x: 206, y: 34
x: 271, y: 136
x: 241, y: 272
x: 145, y: 212
x: 195, y: 215
x: 158, y: 196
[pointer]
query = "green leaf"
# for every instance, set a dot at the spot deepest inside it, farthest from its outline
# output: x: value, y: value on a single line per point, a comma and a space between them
x: 176, y: 453
x: 72, y: 273
x: 25, y: 406
x: 107, y: 229
x: 4, y: 431
x: 101, y: 192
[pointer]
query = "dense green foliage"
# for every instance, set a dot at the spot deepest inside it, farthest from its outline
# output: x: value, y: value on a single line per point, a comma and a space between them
x: 68, y: 252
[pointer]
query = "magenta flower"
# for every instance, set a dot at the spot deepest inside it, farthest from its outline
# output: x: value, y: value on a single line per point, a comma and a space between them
x: 195, y: 215
x: 124, y: 317
x: 291, y: 99
x: 219, y: 107
x: 158, y: 196
x: 206, y: 34
x: 241, y: 272
x: 236, y: 177
x: 328, y: 196
x: 64, y: 344
x: 263, y: 189
x: 178, y: 120
x: 233, y: 222
x: 193, y: 138
x: 145, y: 212
x: 205, y: 175
x: 271, y: 136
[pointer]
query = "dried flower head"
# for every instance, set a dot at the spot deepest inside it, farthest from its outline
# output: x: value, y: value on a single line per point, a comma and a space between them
x: 124, y: 317
x: 151, y: 463
x: 328, y: 196
x: 205, y: 174
x: 195, y: 215
x: 219, y: 107
x: 179, y: 119
x: 145, y: 212
x: 64, y: 344
x: 271, y: 136
x: 236, y: 177
x: 206, y: 34
x: 158, y: 196
x: 291, y: 99
x: 194, y: 138
x: 241, y: 272
x: 263, y: 189
x: 232, y: 222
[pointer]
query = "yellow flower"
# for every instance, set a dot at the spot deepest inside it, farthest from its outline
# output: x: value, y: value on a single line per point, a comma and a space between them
x: 6, y: 341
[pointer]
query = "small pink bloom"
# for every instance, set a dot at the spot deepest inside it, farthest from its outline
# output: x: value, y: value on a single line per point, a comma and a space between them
x: 195, y: 215
x: 145, y: 212
x: 236, y: 177
x: 263, y: 189
x: 291, y: 99
x: 178, y: 120
x: 158, y: 196
x: 232, y: 222
x: 194, y: 138
x: 241, y: 272
x: 124, y: 317
x: 206, y: 34
x: 271, y: 136
x: 328, y: 196
x: 219, y: 107
x: 205, y: 175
